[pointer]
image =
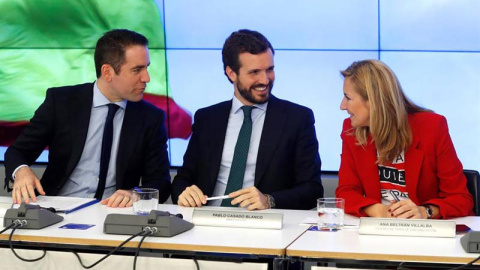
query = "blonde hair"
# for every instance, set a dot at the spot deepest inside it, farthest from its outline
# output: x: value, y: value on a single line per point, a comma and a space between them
x: 376, y: 83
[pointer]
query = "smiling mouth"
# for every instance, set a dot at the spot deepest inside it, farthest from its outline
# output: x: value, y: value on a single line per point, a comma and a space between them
x: 259, y: 88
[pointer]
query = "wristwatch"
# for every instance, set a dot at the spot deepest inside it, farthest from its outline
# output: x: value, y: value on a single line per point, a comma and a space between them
x: 429, y: 211
x: 270, y: 201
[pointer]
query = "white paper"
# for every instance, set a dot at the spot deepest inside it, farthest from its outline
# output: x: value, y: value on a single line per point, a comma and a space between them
x: 60, y: 203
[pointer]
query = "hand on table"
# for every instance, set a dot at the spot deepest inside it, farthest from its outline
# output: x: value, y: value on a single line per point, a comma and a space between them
x: 407, y: 209
x: 24, y: 186
x: 192, y: 196
x: 121, y: 198
x: 251, y: 197
x: 377, y: 210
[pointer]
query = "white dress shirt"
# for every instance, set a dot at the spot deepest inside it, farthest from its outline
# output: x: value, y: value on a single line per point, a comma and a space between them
x: 84, y: 179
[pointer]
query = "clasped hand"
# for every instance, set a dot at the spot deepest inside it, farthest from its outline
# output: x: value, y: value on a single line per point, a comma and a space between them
x: 401, y: 209
x: 406, y: 209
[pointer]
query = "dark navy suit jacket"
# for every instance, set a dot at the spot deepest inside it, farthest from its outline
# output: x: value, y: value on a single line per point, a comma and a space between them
x: 288, y: 163
x: 61, y: 123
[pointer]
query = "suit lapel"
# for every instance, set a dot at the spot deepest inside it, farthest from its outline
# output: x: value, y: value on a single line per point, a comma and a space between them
x: 217, y: 125
x: 370, y: 176
x: 413, y: 164
x: 80, y: 111
x: 275, y: 119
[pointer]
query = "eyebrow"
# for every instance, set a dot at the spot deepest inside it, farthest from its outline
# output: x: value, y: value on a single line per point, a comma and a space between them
x: 140, y: 66
x: 259, y: 69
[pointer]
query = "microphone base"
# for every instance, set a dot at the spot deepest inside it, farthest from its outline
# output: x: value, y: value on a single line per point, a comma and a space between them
x: 471, y: 242
x: 35, y: 218
x: 166, y: 225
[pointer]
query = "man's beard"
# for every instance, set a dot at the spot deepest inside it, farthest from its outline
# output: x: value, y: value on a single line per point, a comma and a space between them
x: 248, y: 93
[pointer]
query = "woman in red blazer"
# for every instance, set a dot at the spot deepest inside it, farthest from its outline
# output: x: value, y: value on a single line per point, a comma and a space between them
x: 398, y: 159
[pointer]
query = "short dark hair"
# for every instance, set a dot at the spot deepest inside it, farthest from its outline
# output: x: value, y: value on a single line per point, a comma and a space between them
x: 241, y: 41
x: 110, y: 48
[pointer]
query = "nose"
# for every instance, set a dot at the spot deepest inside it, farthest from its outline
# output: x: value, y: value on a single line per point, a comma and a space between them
x: 146, y: 77
x: 343, y: 104
x: 266, y: 77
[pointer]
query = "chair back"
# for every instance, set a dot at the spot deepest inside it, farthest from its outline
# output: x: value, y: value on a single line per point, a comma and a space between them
x: 473, y: 185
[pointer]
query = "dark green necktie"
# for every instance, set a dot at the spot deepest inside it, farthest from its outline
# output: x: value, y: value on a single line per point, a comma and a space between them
x: 239, y: 162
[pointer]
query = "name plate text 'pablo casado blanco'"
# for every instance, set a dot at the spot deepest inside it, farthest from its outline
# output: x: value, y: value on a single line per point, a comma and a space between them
x: 407, y: 227
x: 242, y: 219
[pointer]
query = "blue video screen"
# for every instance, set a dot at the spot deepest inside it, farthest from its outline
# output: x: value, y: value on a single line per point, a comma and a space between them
x: 432, y: 46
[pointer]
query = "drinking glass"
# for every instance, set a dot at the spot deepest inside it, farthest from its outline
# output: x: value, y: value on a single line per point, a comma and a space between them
x: 331, y: 212
x: 144, y: 200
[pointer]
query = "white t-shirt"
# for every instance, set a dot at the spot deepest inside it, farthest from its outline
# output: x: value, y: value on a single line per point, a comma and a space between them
x: 392, y: 180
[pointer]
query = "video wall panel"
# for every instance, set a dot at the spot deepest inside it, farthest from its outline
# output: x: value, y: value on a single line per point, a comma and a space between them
x: 433, y: 46
x: 296, y: 25
x: 447, y: 83
x: 430, y: 25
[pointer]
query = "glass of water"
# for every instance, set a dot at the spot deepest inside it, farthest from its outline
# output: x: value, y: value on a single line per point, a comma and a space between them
x: 144, y: 200
x: 330, y: 213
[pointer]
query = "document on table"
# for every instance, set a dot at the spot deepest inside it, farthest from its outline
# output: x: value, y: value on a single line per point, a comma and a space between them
x: 62, y: 204
x: 351, y: 223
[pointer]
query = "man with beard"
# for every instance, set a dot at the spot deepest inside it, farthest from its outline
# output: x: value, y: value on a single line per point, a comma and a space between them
x: 259, y: 150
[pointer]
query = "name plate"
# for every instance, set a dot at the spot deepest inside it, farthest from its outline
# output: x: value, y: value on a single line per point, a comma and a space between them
x: 407, y: 227
x: 242, y: 219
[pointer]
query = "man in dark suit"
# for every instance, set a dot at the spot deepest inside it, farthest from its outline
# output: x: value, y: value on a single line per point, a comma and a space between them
x: 282, y: 166
x: 71, y: 121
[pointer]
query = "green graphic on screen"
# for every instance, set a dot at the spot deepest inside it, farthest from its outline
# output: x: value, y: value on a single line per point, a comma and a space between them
x: 50, y: 43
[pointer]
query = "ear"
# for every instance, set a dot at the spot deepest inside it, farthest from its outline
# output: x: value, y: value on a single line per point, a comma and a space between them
x: 107, y: 72
x: 231, y: 74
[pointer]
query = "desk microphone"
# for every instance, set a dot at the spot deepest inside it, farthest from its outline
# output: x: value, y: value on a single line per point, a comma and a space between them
x: 35, y: 206
x: 164, y: 223
x: 471, y: 242
x: 34, y: 216
x: 163, y: 213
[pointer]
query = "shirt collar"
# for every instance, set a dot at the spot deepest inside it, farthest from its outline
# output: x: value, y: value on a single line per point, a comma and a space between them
x: 100, y: 100
x: 237, y: 105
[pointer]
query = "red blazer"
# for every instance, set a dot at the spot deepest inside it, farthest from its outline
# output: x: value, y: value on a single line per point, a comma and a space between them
x: 433, y: 172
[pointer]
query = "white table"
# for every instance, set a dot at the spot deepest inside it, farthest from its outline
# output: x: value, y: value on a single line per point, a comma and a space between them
x: 347, y: 244
x: 200, y: 239
x: 293, y: 241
